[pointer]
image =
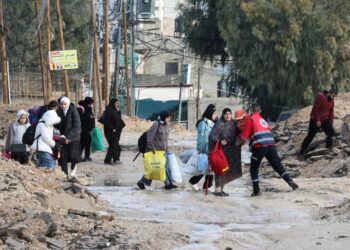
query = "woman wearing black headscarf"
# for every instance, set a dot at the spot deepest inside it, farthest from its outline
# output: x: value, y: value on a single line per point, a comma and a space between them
x: 113, y: 126
x: 225, y: 131
x: 204, y: 126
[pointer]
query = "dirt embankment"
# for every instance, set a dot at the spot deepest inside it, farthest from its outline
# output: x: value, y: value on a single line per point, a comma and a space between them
x: 42, y: 210
x: 319, y: 161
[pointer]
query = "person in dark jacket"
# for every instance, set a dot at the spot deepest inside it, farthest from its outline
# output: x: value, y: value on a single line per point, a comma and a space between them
x: 87, y: 124
x: 70, y: 128
x: 113, y: 126
x: 322, y: 116
x: 225, y: 132
x: 157, y: 139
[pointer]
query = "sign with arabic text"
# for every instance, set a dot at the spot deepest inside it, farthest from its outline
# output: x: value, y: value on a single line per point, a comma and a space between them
x: 63, y: 59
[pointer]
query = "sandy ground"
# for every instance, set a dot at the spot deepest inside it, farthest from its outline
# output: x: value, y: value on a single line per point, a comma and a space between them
x: 314, y: 217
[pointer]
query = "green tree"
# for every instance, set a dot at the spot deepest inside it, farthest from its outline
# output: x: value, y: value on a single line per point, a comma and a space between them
x: 21, y: 23
x: 201, y: 29
x: 293, y: 48
x: 283, y: 51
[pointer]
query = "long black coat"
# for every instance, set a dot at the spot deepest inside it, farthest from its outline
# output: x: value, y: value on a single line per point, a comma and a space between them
x: 87, y: 120
x: 112, y: 120
x: 70, y: 127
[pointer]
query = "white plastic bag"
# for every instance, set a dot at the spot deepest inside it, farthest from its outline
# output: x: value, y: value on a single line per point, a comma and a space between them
x: 203, y: 164
x: 174, y: 168
x: 192, y: 165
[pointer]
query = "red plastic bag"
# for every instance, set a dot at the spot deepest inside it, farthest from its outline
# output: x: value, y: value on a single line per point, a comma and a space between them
x: 218, y: 161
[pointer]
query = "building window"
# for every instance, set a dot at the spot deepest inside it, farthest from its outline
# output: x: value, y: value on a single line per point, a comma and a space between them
x: 171, y: 68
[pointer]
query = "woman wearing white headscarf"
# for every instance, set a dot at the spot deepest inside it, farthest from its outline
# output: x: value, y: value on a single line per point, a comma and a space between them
x: 70, y: 127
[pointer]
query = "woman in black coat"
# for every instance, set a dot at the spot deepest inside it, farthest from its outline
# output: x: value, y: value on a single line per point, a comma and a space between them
x: 87, y: 124
x: 113, y: 126
x: 70, y: 127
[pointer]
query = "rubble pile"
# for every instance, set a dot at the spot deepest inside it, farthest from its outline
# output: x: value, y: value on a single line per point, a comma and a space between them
x: 31, y: 217
x: 7, y: 116
x: 319, y: 161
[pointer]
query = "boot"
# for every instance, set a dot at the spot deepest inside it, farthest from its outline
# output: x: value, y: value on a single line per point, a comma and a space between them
x: 256, y: 189
x: 293, y: 185
x: 290, y: 181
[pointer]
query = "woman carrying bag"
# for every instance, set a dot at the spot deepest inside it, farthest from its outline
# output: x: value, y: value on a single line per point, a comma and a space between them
x: 225, y: 132
x: 204, y: 126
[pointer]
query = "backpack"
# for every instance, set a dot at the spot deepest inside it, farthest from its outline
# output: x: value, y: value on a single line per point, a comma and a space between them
x: 142, y: 143
x: 36, y: 113
x: 29, y: 136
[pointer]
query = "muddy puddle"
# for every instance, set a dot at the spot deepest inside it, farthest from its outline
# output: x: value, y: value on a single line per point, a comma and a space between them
x: 207, y: 218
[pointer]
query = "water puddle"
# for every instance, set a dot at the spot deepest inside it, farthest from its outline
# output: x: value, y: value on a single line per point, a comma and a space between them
x: 208, y: 218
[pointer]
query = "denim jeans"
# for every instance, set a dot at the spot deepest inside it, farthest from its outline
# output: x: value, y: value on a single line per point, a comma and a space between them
x: 45, y: 160
x: 167, y: 182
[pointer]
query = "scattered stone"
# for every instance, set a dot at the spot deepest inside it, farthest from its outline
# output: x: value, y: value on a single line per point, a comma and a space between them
x: 31, y: 212
x: 320, y: 151
x: 76, y: 188
x: 15, y: 244
x: 51, y: 230
x: 53, y: 243
x: 102, y: 215
x: 3, y: 187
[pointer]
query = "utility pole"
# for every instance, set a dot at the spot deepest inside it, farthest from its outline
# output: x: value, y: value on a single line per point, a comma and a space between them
x: 117, y: 62
x: 181, y: 83
x: 126, y: 60
x: 48, y: 43
x: 40, y: 53
x: 61, y: 43
x: 198, y: 90
x: 106, y: 53
x: 5, y: 87
x: 94, y: 87
x: 133, y: 14
x: 96, y: 57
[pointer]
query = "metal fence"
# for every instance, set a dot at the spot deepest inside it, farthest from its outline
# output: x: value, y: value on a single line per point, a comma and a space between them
x: 27, y: 88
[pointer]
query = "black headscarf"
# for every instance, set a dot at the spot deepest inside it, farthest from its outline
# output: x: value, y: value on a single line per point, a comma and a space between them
x: 224, y: 112
x: 112, y: 102
x: 163, y: 115
x: 208, y: 113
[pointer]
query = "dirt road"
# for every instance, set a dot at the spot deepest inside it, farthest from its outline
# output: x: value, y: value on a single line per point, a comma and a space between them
x: 314, y: 217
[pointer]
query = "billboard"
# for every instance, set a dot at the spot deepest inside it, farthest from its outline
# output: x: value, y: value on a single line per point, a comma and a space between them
x: 63, y: 59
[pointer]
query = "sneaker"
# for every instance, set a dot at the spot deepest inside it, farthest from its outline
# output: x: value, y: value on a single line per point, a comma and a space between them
x: 73, y: 172
x: 256, y: 194
x: 301, y: 157
x: 87, y: 159
x: 108, y: 163
x: 293, y: 185
x: 195, y: 187
x: 141, y: 185
x: 224, y: 193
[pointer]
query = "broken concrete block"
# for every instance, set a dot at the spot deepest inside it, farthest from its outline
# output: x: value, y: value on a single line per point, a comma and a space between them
x: 15, y: 244
x: 320, y: 151
x: 102, y: 215
x: 53, y: 243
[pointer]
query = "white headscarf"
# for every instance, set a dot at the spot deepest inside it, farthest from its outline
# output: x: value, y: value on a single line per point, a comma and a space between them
x: 65, y: 100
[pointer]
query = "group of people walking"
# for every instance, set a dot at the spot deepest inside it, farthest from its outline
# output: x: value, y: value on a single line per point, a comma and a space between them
x: 62, y: 133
